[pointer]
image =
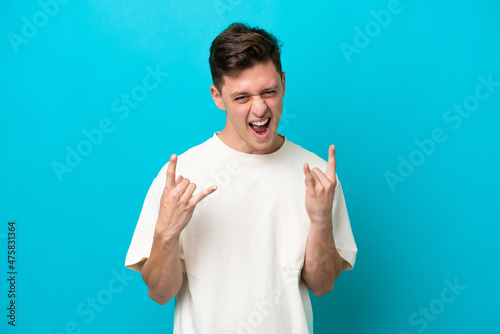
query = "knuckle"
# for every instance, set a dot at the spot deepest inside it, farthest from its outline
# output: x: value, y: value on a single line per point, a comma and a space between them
x: 182, y: 199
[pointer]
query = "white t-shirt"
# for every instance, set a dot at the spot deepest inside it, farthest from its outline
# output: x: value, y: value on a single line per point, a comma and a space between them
x: 243, y: 250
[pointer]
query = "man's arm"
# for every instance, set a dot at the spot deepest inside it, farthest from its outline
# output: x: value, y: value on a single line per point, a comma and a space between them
x: 162, y: 271
x: 322, y: 262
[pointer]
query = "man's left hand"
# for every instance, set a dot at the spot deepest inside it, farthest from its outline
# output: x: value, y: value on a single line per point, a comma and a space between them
x: 320, y: 190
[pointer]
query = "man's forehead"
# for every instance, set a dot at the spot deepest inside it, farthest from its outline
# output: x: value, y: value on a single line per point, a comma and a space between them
x: 251, y: 81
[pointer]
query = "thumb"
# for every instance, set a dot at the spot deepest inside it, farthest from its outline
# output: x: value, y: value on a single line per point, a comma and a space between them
x: 309, y: 180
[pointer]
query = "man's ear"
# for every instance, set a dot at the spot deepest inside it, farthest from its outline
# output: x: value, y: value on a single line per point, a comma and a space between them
x: 283, y: 81
x: 217, y: 98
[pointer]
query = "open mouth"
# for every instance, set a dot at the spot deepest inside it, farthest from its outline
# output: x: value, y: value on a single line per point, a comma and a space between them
x: 261, y: 128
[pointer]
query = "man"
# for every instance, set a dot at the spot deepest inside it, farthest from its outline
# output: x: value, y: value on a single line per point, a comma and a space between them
x: 240, y: 255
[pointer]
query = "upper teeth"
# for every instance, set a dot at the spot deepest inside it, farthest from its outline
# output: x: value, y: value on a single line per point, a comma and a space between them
x: 260, y: 123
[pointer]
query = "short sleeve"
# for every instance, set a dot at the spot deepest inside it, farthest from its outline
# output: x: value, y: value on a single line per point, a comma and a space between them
x: 342, y: 233
x: 142, y: 240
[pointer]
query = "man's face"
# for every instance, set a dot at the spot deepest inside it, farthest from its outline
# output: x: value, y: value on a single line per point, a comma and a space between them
x: 253, y: 101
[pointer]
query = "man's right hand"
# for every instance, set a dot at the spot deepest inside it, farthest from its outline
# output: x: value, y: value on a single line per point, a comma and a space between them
x: 177, y: 202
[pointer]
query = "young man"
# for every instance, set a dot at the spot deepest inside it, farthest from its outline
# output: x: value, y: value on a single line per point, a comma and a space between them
x: 240, y: 255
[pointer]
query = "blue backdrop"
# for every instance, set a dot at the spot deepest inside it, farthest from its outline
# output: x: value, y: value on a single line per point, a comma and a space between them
x: 96, y: 95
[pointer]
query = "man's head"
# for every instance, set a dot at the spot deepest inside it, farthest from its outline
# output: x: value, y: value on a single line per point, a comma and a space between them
x: 240, y: 47
x: 249, y: 85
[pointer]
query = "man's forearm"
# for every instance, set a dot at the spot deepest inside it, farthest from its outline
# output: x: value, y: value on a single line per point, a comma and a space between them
x: 322, y: 263
x: 162, y: 272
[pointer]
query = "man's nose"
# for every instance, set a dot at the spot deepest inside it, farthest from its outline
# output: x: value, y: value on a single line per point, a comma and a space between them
x: 259, y: 106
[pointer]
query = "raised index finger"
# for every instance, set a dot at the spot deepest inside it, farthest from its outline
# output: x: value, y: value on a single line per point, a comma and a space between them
x: 170, y: 182
x: 332, y: 164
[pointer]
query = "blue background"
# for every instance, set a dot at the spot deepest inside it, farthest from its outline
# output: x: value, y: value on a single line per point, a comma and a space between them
x: 73, y: 232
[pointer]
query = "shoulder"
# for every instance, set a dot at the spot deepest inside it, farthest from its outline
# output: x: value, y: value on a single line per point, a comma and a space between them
x: 188, y: 160
x: 298, y: 152
x: 197, y: 152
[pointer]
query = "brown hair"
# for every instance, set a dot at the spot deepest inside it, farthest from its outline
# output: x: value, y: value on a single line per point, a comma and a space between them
x: 239, y: 47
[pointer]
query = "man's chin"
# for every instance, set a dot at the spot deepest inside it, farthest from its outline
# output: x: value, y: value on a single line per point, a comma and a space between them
x: 271, y: 143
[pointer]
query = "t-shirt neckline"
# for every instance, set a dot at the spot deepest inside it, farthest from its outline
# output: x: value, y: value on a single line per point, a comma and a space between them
x: 250, y: 158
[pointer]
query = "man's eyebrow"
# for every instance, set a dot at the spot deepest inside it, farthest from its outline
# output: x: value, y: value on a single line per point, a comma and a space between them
x: 273, y: 87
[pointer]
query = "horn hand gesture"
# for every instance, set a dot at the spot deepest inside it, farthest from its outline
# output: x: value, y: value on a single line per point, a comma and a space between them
x: 320, y: 190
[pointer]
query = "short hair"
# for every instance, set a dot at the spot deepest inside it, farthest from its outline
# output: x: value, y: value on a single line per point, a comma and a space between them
x: 240, y: 47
